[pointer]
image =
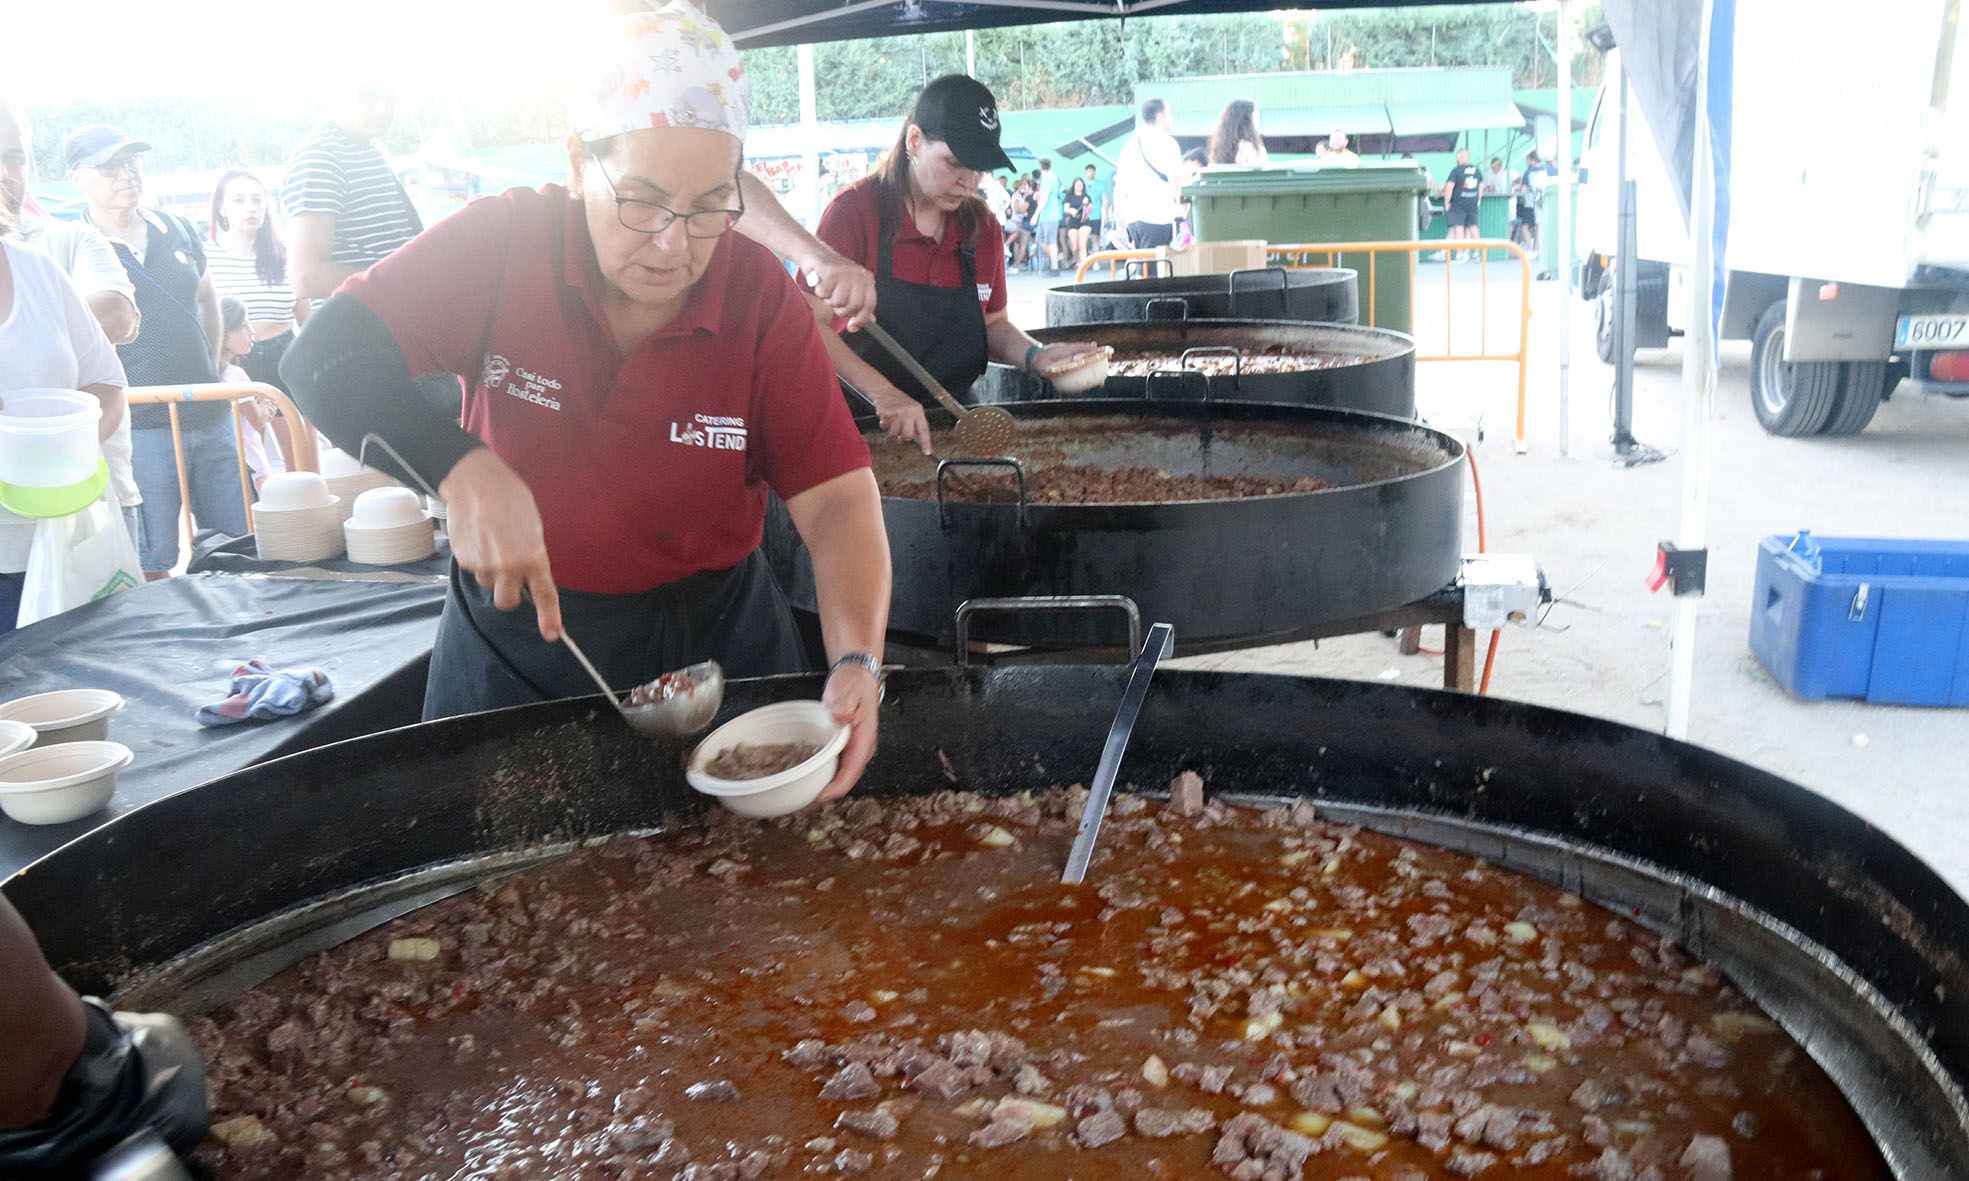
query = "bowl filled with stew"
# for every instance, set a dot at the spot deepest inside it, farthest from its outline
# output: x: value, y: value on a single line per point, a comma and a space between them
x: 771, y: 761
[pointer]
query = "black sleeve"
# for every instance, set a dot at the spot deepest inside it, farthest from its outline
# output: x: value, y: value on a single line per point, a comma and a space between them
x: 350, y: 379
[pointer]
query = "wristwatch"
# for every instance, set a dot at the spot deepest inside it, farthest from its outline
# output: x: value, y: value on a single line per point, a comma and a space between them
x: 867, y: 661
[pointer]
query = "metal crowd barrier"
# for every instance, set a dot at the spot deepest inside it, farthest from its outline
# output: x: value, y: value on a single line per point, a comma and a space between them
x: 1305, y: 256
x: 307, y: 457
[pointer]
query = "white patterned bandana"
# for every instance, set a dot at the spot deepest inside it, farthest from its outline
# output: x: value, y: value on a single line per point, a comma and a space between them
x: 674, y: 67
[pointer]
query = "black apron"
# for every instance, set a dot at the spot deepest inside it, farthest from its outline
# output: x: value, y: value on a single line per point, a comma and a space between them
x: 942, y: 327
x: 485, y: 658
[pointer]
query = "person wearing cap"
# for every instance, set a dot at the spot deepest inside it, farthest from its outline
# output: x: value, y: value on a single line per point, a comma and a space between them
x: 938, y: 257
x: 179, y: 310
x: 638, y: 379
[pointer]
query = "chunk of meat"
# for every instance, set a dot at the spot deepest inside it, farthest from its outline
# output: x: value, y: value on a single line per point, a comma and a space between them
x: 1103, y: 1127
x: 880, y: 1125
x: 1707, y: 1158
x: 1248, y: 1139
x: 1186, y: 794
x: 940, y: 1079
x: 853, y: 1081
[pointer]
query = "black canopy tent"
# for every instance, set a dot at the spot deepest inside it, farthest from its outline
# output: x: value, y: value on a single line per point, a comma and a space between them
x: 1659, y: 38
x: 758, y: 23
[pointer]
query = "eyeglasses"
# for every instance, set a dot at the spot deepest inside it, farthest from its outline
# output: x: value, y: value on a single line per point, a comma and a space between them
x: 647, y: 217
x: 117, y: 167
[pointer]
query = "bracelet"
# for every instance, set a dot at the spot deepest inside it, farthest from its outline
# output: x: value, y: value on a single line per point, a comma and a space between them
x: 862, y: 659
x: 1031, y: 352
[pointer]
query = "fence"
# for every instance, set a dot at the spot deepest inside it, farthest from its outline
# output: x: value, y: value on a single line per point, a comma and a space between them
x: 1303, y: 256
x: 306, y: 456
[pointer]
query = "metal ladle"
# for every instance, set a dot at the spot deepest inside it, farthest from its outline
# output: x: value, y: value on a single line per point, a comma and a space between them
x: 981, y: 431
x: 685, y: 700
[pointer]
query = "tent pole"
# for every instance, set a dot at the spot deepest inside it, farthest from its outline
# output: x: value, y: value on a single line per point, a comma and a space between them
x: 809, y: 138
x: 971, y: 52
x: 1698, y: 390
x: 1563, y: 227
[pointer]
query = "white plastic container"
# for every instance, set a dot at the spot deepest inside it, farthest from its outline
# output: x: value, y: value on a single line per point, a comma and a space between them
x: 57, y: 784
x: 15, y: 736
x: 293, y: 491
x: 1081, y: 372
x: 789, y: 790
x: 388, y: 508
x: 48, y: 438
x: 66, y: 715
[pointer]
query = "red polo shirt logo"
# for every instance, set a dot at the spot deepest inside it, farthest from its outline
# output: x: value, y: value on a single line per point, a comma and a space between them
x: 719, y: 433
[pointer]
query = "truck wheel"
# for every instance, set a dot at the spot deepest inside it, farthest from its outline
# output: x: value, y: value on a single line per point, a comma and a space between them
x: 1791, y: 399
x: 1862, y: 387
x: 1603, y: 324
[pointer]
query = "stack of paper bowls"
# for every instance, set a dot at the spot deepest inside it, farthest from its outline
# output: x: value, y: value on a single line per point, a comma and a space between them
x: 349, y: 479
x: 297, y: 519
x: 388, y: 527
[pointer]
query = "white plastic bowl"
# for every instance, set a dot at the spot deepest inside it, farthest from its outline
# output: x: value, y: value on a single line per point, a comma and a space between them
x: 66, y: 715
x: 287, y: 491
x: 388, y: 508
x: 48, y: 437
x: 57, y: 784
x: 15, y: 736
x: 1081, y: 373
x: 789, y: 790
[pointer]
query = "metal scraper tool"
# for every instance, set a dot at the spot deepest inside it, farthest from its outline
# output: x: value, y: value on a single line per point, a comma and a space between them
x: 1161, y: 642
x: 981, y: 431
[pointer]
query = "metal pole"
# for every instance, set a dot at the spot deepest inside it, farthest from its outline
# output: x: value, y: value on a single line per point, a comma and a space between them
x: 1698, y: 394
x: 971, y: 52
x: 809, y: 138
x: 1625, y: 286
x: 1564, y: 227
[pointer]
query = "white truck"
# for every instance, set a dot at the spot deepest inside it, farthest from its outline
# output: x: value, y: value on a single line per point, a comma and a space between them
x: 1848, y: 249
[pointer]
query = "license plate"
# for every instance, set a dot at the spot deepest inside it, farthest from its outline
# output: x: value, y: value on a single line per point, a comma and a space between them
x: 1932, y: 332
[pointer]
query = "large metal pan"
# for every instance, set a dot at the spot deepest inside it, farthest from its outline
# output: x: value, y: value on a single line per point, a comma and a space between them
x: 1382, y: 381
x: 1325, y: 296
x: 1225, y: 572
x: 1855, y: 945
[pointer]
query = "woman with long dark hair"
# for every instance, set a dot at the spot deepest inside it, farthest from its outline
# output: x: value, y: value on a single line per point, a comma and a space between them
x: 1073, y: 222
x: 248, y: 262
x: 938, y: 257
x: 1236, y: 139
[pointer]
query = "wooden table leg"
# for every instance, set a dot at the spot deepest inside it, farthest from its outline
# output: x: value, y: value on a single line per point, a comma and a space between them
x: 1408, y: 641
x: 1459, y: 659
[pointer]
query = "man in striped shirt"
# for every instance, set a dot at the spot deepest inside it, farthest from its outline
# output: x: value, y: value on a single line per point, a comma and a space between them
x: 345, y: 207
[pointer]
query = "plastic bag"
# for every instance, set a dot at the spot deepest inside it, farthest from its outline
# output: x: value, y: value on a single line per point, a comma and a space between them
x: 78, y: 559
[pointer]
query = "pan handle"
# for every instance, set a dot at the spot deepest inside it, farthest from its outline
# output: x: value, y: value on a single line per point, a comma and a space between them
x: 1181, y: 305
x: 1018, y: 469
x: 1217, y: 350
x: 1021, y: 603
x: 1283, y: 284
x: 1182, y: 377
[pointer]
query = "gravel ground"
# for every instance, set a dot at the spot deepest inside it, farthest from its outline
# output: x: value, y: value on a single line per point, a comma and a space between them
x: 1593, y: 527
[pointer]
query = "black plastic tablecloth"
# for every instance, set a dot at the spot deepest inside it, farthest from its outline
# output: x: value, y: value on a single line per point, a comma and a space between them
x: 170, y: 647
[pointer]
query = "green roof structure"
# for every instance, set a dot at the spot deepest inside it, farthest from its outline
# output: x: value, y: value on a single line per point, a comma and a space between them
x: 1403, y: 102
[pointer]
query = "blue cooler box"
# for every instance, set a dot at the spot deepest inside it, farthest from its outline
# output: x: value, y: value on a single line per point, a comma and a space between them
x: 1863, y: 617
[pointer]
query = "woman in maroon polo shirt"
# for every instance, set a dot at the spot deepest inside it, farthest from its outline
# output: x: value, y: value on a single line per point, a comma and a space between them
x: 938, y: 257
x: 639, y: 378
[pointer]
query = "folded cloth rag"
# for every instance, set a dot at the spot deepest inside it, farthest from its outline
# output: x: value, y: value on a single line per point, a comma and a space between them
x: 262, y: 692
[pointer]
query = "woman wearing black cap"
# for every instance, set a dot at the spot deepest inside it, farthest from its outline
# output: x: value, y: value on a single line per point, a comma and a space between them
x: 938, y: 257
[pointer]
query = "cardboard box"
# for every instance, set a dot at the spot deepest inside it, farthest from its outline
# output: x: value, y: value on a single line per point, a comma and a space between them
x: 1216, y: 258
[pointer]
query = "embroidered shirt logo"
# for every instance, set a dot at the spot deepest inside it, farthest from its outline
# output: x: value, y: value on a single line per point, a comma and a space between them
x: 526, y: 386
x: 984, y: 293
x: 710, y: 430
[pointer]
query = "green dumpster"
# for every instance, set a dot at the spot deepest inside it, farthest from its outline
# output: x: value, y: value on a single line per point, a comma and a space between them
x: 1372, y: 203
